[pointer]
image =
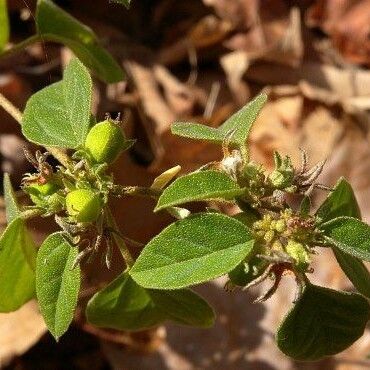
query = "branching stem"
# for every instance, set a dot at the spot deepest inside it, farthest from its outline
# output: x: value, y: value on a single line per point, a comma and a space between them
x: 119, y: 241
x: 59, y: 154
x: 31, y: 213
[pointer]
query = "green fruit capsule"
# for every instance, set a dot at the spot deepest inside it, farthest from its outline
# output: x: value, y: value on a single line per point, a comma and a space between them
x: 83, y: 205
x: 39, y: 193
x: 105, y: 142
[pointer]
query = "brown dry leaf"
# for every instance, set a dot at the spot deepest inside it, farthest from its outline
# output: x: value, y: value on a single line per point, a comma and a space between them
x: 347, y: 22
x: 181, y: 97
x: 19, y: 331
x: 152, y: 102
x: 241, y: 14
x: 287, y: 49
x: 351, y: 158
x: 207, y: 33
x: 13, y: 160
x: 235, y: 64
x: 276, y: 38
x: 326, y: 13
x: 291, y: 122
x: 16, y: 90
x: 351, y: 36
x: 277, y: 128
x: 344, y: 82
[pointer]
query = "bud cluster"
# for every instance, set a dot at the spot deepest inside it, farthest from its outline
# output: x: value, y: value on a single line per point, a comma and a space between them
x: 288, y: 234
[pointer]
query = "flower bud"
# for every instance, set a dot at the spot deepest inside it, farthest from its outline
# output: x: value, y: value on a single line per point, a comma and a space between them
x: 299, y: 253
x: 283, y: 174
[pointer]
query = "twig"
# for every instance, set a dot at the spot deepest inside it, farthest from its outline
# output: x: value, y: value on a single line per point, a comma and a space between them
x: 17, y: 115
x: 212, y: 98
x: 30, y: 213
x: 140, y: 191
x: 10, y: 108
x: 120, y: 243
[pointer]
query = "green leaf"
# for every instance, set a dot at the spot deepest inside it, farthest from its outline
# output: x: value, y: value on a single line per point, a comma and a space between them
x: 305, y: 206
x: 197, y: 131
x: 202, y: 185
x: 184, y: 307
x: 4, y: 22
x: 248, y: 216
x: 322, y: 323
x: 57, y: 284
x: 54, y: 24
x: 355, y: 270
x: 241, y: 122
x: 340, y: 202
x: 17, y: 264
x: 59, y: 114
x: 191, y: 251
x: 124, y: 305
x: 247, y: 271
x: 126, y: 3
x: 350, y: 235
x: 11, y: 204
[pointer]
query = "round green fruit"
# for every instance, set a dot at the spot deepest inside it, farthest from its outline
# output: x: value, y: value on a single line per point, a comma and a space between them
x: 105, y: 142
x: 83, y: 205
x: 39, y: 193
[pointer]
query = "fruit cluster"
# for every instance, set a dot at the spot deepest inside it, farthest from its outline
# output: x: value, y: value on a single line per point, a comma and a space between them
x: 77, y: 194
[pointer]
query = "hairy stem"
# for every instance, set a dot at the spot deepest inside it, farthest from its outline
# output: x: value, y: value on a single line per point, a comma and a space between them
x: 17, y: 115
x: 10, y: 108
x: 119, y: 241
x: 31, y: 213
x: 140, y: 191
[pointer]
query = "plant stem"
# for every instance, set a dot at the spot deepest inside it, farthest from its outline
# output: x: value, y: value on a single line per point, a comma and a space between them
x: 10, y: 108
x: 31, y: 213
x: 20, y: 46
x: 17, y: 115
x: 140, y: 191
x: 119, y: 241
